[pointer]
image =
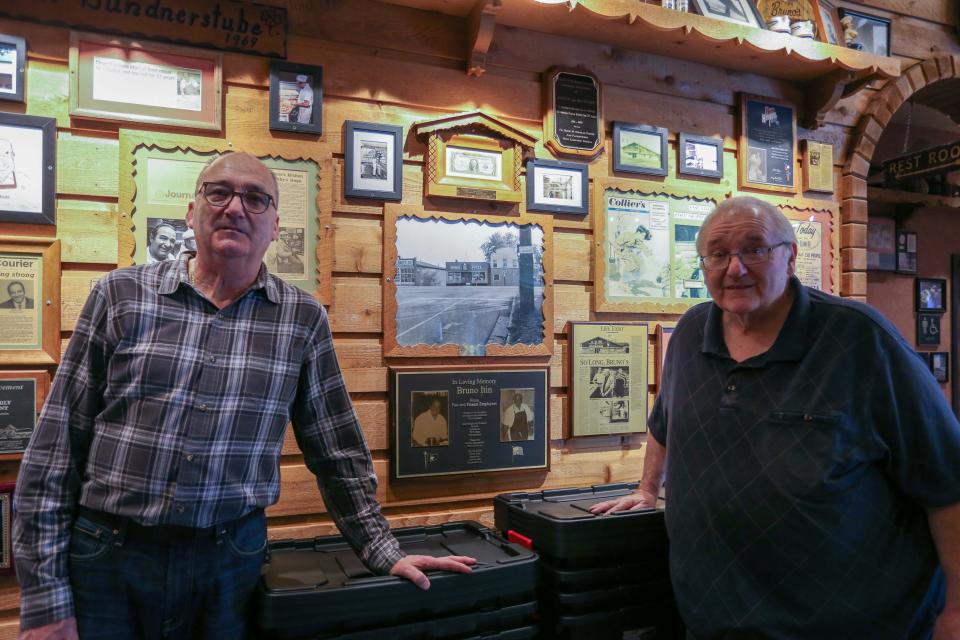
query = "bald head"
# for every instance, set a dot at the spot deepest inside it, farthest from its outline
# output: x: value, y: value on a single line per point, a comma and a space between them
x: 747, y: 207
x: 243, y: 157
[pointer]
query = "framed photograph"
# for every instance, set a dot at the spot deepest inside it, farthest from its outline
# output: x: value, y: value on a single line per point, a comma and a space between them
x: 296, y: 97
x: 907, y: 252
x: 645, y: 255
x: 29, y: 300
x: 700, y: 156
x: 573, y: 119
x: 608, y: 378
x: 767, y: 150
x: 450, y: 420
x: 473, y: 156
x: 664, y: 332
x: 28, y: 180
x: 6, y: 527
x: 467, y: 285
x: 881, y: 244
x: 931, y: 294
x: 829, y: 28
x: 737, y: 11
x: 13, y: 66
x: 373, y: 165
x: 114, y: 78
x: 928, y: 329
x: 557, y: 187
x: 21, y: 395
x: 940, y: 366
x: 639, y: 148
x: 865, y: 32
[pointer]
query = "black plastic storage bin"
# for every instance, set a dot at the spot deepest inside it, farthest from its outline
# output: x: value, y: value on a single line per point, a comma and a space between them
x: 318, y: 588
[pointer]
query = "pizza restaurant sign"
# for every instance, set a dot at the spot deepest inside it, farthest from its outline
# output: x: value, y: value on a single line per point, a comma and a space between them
x: 222, y: 24
x: 923, y: 163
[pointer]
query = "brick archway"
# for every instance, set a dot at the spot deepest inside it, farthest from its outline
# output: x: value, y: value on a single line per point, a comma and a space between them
x: 853, y: 186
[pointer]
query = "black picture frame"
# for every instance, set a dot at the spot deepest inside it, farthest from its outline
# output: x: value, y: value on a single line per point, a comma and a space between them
x: 928, y: 329
x: 16, y: 69
x: 15, y: 204
x: 940, y: 366
x: 362, y: 173
x: 282, y: 76
x: 621, y: 164
x: 687, y: 163
x: 746, y: 10
x: 907, y: 253
x: 862, y: 43
x: 931, y: 294
x: 538, y: 199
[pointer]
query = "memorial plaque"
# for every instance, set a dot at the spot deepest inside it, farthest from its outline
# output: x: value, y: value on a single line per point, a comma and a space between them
x: 767, y: 151
x: 18, y: 413
x: 573, y: 123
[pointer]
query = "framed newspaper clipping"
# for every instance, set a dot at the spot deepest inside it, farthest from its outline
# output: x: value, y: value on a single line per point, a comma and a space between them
x: 608, y: 377
x: 29, y: 300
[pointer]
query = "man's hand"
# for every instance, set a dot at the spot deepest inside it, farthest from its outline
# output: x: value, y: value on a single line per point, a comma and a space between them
x: 639, y: 500
x: 948, y: 625
x: 412, y: 567
x: 65, y: 629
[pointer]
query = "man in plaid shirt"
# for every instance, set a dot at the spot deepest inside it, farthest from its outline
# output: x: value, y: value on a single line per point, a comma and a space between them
x: 140, y: 498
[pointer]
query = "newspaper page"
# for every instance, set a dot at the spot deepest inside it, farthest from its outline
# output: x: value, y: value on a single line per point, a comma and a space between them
x: 609, y: 378
x: 809, y: 268
x: 286, y: 257
x: 21, y: 301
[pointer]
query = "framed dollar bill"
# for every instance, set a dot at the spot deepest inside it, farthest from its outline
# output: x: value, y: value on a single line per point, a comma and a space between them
x: 449, y: 420
x: 21, y: 395
x: 608, y: 377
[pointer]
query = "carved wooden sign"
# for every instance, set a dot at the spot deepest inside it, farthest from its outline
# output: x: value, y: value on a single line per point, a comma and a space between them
x: 222, y: 24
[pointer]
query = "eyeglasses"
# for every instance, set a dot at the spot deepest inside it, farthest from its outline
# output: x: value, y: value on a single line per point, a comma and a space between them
x: 221, y: 195
x: 754, y: 255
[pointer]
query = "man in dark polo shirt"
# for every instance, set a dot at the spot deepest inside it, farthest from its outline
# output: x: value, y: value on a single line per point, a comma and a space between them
x: 812, y: 463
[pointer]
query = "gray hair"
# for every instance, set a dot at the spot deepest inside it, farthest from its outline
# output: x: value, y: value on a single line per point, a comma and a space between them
x: 276, y: 188
x: 778, y: 223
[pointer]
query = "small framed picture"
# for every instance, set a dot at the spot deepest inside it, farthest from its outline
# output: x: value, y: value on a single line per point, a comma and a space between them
x: 928, y: 329
x: 639, y: 148
x: 830, y: 32
x: 557, y: 187
x: 373, y: 164
x: 28, y: 180
x: 13, y: 65
x: 865, y: 32
x: 906, y: 252
x: 931, y: 294
x: 6, y: 527
x: 700, y: 156
x: 940, y: 366
x: 737, y: 11
x: 296, y: 97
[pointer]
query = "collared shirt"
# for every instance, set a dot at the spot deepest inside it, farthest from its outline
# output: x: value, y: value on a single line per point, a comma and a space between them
x: 429, y: 429
x: 168, y: 410
x: 797, y: 480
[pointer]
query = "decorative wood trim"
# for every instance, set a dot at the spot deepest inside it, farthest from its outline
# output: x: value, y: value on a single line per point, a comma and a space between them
x: 480, y: 27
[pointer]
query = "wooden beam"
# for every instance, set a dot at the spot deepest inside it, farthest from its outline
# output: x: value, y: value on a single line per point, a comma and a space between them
x: 480, y: 26
x: 821, y: 96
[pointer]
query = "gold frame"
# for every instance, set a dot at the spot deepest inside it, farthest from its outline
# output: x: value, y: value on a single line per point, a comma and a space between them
x: 48, y: 249
x: 742, y: 146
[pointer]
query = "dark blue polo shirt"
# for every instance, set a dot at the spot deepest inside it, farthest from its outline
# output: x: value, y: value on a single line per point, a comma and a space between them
x: 797, y: 480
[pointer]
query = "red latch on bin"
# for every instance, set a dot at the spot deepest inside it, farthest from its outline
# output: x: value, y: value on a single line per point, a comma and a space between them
x: 521, y: 540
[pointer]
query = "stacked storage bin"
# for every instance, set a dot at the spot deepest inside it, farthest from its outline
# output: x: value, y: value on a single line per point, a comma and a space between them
x: 318, y: 588
x: 601, y: 576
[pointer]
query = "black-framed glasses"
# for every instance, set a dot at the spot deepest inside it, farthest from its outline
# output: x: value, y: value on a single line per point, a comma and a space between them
x: 221, y: 195
x: 754, y: 255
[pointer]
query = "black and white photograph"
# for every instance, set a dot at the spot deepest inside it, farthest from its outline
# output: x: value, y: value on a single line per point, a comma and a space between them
x: 373, y: 163
x: 13, y: 63
x: 517, y: 415
x: 557, y: 187
x: 164, y: 239
x: 866, y: 32
x: 17, y: 294
x: 468, y: 283
x: 756, y: 164
x: 287, y: 255
x: 738, y: 11
x: 700, y: 156
x: 639, y: 148
x: 475, y: 164
x: 940, y: 366
x: 296, y: 97
x: 928, y: 329
x: 430, y: 411
x: 27, y: 174
x: 609, y: 382
x: 615, y: 411
x: 931, y: 294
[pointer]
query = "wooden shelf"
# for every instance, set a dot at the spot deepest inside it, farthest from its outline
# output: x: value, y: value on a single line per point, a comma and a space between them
x: 828, y: 72
x: 877, y: 195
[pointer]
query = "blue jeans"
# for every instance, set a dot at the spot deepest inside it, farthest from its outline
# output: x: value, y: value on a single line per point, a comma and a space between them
x: 133, y: 582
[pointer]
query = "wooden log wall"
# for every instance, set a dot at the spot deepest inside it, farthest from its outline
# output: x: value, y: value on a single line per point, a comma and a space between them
x: 390, y: 64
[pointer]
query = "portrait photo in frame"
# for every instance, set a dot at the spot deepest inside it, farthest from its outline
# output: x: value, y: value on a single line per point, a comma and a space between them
x: 13, y: 67
x: 640, y: 148
x: 21, y: 396
x: 120, y: 79
x: 940, y: 366
x: 931, y: 294
x: 742, y: 12
x: 928, y: 329
x: 28, y: 174
x: 296, y: 97
x: 873, y: 32
x: 29, y: 300
x: 700, y: 156
x: 373, y: 161
x: 767, y: 148
x: 557, y: 187
x: 6, y: 527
